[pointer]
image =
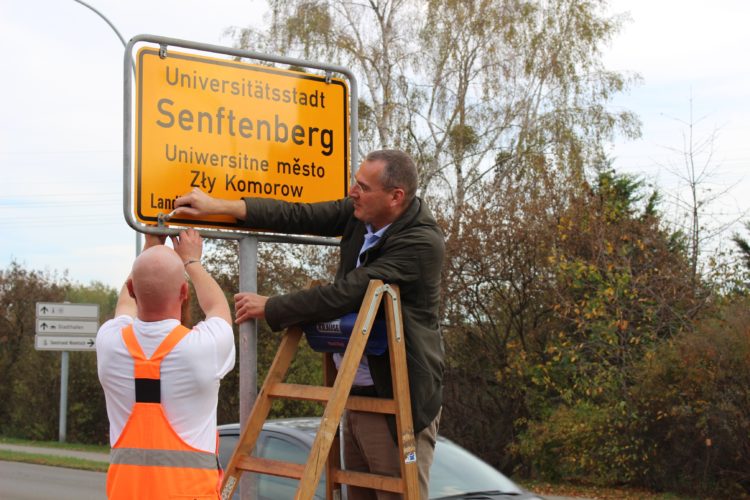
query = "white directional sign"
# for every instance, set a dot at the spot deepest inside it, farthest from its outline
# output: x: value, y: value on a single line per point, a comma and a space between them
x: 65, y: 343
x: 66, y: 326
x: 67, y: 311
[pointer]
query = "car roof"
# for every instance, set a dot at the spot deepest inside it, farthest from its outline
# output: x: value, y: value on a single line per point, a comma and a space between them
x: 304, y: 428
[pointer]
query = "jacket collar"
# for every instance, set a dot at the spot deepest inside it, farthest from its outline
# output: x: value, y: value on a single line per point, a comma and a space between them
x: 405, y: 219
x: 408, y: 218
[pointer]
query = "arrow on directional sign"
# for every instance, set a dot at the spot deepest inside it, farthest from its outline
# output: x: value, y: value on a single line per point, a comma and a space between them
x: 64, y: 343
x: 66, y: 326
x: 64, y: 310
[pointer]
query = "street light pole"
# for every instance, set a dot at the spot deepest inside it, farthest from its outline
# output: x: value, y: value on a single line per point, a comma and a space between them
x: 105, y: 20
x: 138, y: 246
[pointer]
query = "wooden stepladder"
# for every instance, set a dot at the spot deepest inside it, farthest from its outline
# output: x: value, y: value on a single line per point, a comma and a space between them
x: 325, y: 452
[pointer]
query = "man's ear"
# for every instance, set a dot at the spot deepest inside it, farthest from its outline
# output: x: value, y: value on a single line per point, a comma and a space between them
x: 397, y: 196
x: 184, y: 291
x: 129, y: 284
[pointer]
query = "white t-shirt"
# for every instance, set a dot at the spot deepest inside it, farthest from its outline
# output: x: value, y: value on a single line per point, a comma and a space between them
x: 190, y: 374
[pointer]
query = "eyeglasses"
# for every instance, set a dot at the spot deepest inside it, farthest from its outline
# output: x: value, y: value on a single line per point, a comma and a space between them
x: 369, y: 189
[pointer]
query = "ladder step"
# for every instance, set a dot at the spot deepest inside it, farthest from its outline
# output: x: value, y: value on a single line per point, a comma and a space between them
x: 367, y: 480
x: 323, y: 394
x: 273, y: 467
x: 295, y: 471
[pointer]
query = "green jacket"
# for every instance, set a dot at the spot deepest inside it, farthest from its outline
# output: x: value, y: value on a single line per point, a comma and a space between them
x: 410, y: 254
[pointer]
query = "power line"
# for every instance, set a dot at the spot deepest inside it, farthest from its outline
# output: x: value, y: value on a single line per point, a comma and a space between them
x: 92, y: 221
x: 62, y: 152
x: 31, y: 203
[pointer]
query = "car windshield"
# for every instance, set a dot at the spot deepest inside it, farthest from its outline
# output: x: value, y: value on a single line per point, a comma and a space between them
x: 455, y: 471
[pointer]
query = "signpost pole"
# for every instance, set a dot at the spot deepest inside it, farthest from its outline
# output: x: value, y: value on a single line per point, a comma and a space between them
x: 63, y: 395
x: 248, y: 346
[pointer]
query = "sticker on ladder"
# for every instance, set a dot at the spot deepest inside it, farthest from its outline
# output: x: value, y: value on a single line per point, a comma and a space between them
x: 228, y: 487
x: 411, y: 457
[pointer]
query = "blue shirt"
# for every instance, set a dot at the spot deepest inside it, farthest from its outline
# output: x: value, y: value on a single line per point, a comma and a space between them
x: 363, y: 377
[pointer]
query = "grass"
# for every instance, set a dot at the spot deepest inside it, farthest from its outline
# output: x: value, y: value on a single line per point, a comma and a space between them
x: 98, y: 448
x: 54, y: 460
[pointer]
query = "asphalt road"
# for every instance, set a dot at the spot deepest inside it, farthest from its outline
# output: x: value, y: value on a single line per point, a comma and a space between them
x: 19, y: 481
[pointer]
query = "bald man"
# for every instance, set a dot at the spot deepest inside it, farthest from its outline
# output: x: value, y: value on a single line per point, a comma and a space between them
x: 161, y: 379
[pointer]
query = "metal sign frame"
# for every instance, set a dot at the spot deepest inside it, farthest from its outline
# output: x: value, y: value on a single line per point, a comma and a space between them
x: 128, y: 164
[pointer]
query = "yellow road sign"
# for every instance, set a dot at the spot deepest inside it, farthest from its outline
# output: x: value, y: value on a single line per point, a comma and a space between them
x: 234, y: 130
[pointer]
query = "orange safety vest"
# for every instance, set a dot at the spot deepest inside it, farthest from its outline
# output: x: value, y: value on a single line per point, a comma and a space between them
x: 150, y: 460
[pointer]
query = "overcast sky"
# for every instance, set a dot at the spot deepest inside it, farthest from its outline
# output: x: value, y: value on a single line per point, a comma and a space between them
x: 690, y: 51
x: 61, y: 118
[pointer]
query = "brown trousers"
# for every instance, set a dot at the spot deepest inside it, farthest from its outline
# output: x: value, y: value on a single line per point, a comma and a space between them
x: 369, y: 447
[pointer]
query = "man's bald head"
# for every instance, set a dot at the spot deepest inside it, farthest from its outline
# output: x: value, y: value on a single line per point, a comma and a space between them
x: 157, y: 282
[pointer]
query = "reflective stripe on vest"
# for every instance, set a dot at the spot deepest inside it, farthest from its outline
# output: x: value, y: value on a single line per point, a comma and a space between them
x: 163, y: 458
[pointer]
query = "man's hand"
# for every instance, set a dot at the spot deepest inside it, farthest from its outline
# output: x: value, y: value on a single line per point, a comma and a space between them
x: 248, y: 306
x: 211, y: 299
x: 188, y: 245
x: 152, y: 240
x: 196, y: 203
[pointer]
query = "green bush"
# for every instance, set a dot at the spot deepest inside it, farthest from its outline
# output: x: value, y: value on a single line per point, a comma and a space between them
x: 585, y: 443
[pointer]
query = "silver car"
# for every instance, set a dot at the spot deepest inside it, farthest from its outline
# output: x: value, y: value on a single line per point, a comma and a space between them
x: 455, y: 472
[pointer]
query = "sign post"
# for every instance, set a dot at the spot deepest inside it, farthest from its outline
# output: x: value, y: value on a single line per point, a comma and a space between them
x: 65, y: 327
x: 248, y: 342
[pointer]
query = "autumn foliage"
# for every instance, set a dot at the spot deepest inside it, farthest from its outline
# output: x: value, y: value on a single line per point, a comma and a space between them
x: 582, y: 345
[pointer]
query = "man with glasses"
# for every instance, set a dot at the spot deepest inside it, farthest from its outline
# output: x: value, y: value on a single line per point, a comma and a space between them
x: 387, y: 233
